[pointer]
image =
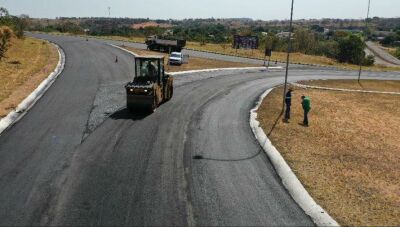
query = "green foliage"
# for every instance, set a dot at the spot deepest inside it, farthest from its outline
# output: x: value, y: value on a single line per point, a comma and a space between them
x: 397, y: 53
x: 18, y: 24
x: 5, y: 37
x: 351, y: 50
x: 328, y: 49
x: 304, y: 41
x: 369, y: 60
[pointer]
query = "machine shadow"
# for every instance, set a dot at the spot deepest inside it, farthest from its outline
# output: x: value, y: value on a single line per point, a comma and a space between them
x: 125, y: 114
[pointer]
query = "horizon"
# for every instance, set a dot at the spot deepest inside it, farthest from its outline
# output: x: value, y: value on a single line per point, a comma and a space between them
x: 192, y: 9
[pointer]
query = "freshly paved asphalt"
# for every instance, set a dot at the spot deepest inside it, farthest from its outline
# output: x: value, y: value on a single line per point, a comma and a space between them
x: 79, y: 158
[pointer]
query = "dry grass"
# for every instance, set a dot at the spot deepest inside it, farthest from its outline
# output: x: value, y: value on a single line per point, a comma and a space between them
x: 368, y: 85
x: 348, y: 159
x: 28, y: 63
x: 281, y: 56
x: 194, y: 63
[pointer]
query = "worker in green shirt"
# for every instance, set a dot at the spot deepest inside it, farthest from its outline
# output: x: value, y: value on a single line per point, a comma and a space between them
x: 306, y: 103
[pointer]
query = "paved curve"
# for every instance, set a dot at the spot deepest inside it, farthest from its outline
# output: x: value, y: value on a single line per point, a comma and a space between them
x: 75, y: 160
x: 382, y: 57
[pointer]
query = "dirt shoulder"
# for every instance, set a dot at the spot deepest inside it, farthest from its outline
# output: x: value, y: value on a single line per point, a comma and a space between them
x: 28, y: 63
x: 348, y: 158
x: 194, y: 63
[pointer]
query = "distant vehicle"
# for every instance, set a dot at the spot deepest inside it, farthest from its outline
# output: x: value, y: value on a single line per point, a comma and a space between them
x: 151, y: 86
x: 165, y: 45
x: 176, y: 58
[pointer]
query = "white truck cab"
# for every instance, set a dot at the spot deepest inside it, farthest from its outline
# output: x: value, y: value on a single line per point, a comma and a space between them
x: 176, y: 58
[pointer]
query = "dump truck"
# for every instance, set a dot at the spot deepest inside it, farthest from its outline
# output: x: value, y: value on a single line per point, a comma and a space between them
x: 165, y: 45
x: 150, y: 86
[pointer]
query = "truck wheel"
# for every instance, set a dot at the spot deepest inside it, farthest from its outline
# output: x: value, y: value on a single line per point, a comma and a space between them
x: 171, y: 92
x: 154, y: 105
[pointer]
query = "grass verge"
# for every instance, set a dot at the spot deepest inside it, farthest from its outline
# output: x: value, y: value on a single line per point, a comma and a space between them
x: 348, y: 158
x: 29, y: 61
x: 194, y: 63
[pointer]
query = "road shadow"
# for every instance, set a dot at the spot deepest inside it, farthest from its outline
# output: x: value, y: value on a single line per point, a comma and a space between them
x: 125, y: 114
x: 200, y: 157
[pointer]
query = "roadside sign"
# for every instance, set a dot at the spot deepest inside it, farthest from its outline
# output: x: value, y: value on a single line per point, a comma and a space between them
x: 245, y: 42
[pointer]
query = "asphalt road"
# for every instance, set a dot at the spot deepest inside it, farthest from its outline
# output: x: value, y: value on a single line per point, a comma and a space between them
x: 79, y: 158
x: 382, y: 57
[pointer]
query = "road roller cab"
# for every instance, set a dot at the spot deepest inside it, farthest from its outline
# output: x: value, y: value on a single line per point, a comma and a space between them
x: 151, y: 86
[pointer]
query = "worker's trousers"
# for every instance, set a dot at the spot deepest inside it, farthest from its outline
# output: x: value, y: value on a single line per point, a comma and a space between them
x: 305, y: 122
x: 287, y: 112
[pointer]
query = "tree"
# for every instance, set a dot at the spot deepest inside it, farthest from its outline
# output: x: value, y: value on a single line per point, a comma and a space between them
x: 3, y: 12
x: 304, y: 41
x: 20, y: 24
x: 351, y: 50
x: 5, y: 37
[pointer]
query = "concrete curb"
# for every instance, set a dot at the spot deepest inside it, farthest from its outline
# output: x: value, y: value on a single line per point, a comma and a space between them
x: 202, y: 70
x: 289, y: 179
x: 30, y: 101
x: 223, y: 69
x: 134, y: 54
x: 345, y: 90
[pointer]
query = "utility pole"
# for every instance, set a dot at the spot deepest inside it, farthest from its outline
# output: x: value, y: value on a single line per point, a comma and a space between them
x: 109, y: 11
x: 288, y: 55
x: 366, y: 30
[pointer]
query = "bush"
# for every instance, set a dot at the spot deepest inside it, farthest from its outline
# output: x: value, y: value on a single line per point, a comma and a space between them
x: 5, y: 36
x: 351, y: 50
x: 328, y: 49
x: 369, y: 60
x: 397, y: 53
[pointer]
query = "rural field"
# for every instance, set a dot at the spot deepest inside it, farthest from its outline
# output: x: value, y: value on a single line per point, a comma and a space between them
x: 348, y: 158
x: 194, y: 63
x: 28, y: 62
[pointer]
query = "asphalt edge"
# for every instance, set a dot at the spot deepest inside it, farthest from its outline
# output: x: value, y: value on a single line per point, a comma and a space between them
x: 15, y: 115
x: 296, y: 189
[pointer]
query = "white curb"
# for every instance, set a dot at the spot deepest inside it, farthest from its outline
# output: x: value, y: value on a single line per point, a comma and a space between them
x: 289, y: 179
x: 203, y: 70
x: 30, y: 101
x: 134, y: 54
x: 346, y: 90
x: 222, y: 69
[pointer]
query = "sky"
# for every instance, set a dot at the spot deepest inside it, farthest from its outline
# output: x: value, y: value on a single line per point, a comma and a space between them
x: 180, y: 9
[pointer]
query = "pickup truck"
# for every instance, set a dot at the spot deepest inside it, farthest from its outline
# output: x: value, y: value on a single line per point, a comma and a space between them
x: 176, y: 58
